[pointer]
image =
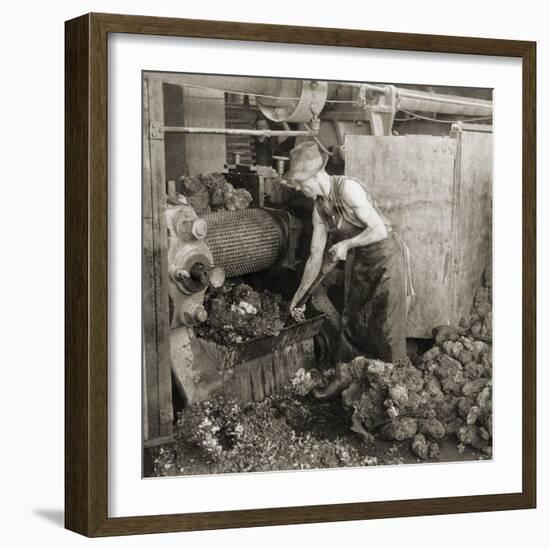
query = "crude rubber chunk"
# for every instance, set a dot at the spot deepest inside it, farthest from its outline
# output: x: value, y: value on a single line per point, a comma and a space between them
x: 473, y: 370
x: 380, y: 373
x: 456, y: 349
x: 453, y: 426
x: 478, y: 348
x: 473, y: 415
x: 447, y: 367
x: 196, y: 194
x: 471, y: 435
x: 235, y: 199
x: 465, y: 357
x: 484, y: 399
x: 371, y: 408
x: 419, y: 447
x: 444, y: 332
x: 432, y: 385
x: 431, y: 354
x: 476, y: 329
x: 214, y: 183
x: 433, y: 450
x: 358, y: 428
x: 447, y: 410
x: 474, y: 387
x: 464, y: 406
x: 399, y: 395
x: 484, y: 433
x: 431, y: 427
x: 399, y: 429
x: 467, y: 343
x: 450, y: 385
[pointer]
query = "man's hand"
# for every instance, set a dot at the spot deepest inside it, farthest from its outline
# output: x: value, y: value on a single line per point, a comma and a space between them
x: 339, y: 250
x: 298, y: 313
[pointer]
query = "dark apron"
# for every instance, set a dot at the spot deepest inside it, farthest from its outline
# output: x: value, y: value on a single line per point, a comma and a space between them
x: 374, y: 316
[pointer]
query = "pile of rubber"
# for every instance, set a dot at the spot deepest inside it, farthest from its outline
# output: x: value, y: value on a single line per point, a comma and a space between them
x: 209, y: 192
x: 479, y: 324
x: 448, y: 391
x: 237, y: 313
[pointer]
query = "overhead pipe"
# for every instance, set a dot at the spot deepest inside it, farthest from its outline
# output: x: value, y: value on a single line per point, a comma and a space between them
x: 280, y: 92
x: 231, y: 84
x: 415, y: 100
x: 412, y: 100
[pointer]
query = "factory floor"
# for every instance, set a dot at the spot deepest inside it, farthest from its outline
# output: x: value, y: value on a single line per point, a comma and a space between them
x: 324, y: 421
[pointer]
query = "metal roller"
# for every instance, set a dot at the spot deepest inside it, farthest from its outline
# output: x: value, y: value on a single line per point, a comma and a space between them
x: 246, y: 241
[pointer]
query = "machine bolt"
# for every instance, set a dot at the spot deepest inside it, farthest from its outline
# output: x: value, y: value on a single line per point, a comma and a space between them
x: 182, y: 274
x: 200, y: 314
x: 192, y: 313
x: 189, y: 230
x: 199, y: 229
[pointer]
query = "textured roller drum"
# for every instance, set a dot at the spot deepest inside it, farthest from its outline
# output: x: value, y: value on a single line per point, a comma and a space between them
x: 245, y: 241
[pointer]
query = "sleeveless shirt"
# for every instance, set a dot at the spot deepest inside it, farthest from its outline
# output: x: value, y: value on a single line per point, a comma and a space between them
x: 339, y: 216
x: 343, y: 223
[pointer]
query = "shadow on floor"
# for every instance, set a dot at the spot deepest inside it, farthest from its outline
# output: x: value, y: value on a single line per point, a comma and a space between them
x: 57, y: 517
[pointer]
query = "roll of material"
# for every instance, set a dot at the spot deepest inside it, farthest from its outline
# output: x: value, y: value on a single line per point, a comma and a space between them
x: 246, y: 241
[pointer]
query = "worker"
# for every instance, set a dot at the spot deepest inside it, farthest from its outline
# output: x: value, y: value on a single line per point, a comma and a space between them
x: 347, y: 221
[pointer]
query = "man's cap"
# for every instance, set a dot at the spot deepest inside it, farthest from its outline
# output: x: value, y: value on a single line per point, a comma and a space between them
x: 306, y: 160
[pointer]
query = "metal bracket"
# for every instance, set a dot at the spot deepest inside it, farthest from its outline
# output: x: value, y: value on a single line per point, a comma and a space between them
x: 156, y: 130
x: 456, y: 129
x: 381, y: 110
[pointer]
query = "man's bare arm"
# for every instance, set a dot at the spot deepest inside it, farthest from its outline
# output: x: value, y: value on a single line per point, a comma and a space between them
x: 354, y: 195
x: 375, y: 230
x: 315, y: 260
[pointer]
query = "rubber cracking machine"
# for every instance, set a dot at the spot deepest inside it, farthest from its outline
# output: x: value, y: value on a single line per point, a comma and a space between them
x: 203, y: 251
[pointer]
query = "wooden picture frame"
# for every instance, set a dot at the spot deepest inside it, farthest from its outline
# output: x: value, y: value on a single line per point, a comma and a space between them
x: 86, y: 223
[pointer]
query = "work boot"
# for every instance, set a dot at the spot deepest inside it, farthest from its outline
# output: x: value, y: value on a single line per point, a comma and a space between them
x: 341, y: 381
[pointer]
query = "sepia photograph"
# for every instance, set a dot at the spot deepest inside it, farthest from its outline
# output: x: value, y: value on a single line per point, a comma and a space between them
x: 316, y: 274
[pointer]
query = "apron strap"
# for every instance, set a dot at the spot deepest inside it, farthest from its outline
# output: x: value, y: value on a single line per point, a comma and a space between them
x: 410, y: 293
